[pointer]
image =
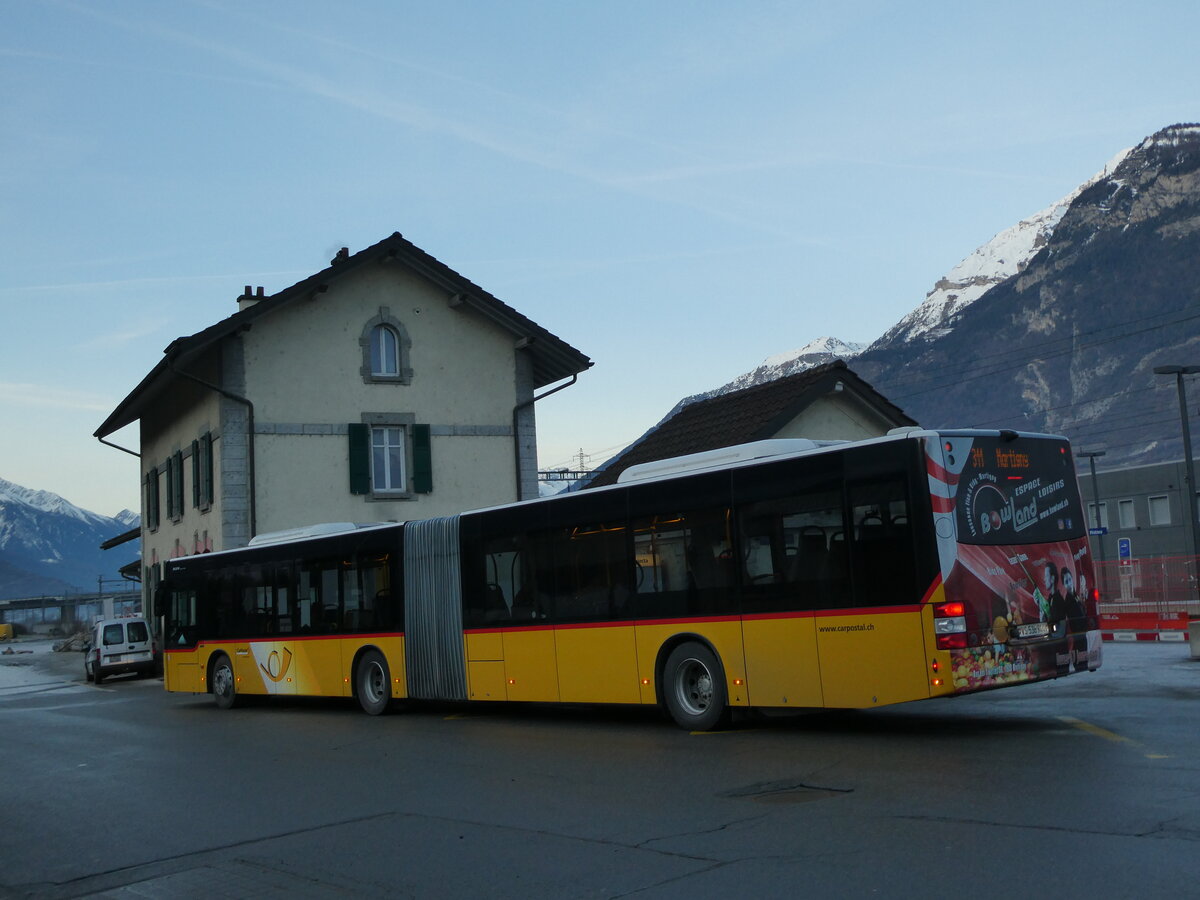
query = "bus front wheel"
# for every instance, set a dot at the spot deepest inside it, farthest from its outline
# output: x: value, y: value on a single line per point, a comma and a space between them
x: 373, y: 683
x: 694, y: 688
x: 224, y: 687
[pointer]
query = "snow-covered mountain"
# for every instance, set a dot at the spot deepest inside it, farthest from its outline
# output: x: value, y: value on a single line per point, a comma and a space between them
x: 999, y: 259
x: 49, y: 545
x: 1068, y: 344
x: 991, y: 264
x: 815, y: 353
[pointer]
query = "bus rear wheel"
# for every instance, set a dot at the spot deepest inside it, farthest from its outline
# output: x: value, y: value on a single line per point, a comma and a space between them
x: 224, y: 687
x: 694, y: 688
x: 373, y: 683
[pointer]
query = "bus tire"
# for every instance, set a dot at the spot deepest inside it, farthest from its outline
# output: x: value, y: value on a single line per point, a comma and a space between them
x: 373, y: 683
x: 694, y: 688
x: 223, y: 683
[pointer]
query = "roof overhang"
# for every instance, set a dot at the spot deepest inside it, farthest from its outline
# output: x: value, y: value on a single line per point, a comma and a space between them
x: 553, y: 358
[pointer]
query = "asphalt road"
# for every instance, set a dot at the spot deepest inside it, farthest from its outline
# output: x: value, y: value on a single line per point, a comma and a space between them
x: 1088, y: 786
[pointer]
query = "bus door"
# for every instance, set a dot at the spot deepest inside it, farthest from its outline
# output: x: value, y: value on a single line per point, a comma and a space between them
x: 509, y: 639
x: 317, y: 652
x: 788, y: 571
x: 263, y: 664
x: 870, y: 640
x: 596, y: 650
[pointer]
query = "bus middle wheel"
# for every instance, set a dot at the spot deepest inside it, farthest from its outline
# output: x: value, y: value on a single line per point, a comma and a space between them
x: 694, y: 688
x: 373, y: 683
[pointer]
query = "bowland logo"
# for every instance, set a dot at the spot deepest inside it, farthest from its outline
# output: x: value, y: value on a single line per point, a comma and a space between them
x: 989, y: 509
x: 985, y: 509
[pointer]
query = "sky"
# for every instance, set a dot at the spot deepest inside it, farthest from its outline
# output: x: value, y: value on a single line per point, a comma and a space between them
x: 677, y: 189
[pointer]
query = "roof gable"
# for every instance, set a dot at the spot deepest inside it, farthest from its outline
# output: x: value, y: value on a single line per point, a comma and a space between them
x: 751, y: 414
x: 553, y: 358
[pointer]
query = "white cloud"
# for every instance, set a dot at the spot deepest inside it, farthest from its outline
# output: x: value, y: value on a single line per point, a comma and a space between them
x: 43, y: 396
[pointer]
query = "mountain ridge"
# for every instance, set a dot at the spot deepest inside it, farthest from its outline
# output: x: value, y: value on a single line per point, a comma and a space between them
x: 48, y: 545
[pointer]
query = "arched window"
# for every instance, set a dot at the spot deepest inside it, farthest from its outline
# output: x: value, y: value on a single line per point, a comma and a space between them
x: 385, y: 346
x: 385, y: 351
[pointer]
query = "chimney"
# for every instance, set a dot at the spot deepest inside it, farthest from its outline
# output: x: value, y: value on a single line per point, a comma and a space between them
x: 248, y: 299
x: 342, y: 256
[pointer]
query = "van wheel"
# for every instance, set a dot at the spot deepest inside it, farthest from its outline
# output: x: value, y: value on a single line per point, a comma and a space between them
x: 224, y: 687
x: 694, y: 688
x: 373, y: 683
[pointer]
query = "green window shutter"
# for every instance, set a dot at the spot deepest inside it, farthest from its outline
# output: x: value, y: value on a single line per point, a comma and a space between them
x: 360, y: 458
x: 422, y: 460
x: 195, y: 474
x: 206, y: 469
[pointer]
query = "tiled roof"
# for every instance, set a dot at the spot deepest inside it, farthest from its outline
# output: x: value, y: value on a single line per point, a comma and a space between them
x: 751, y: 414
x: 553, y: 358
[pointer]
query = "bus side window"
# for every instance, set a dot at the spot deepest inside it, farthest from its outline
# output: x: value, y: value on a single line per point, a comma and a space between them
x: 181, y: 619
x: 791, y: 552
x: 884, y: 557
x: 502, y: 582
x: 683, y: 564
x: 591, y: 572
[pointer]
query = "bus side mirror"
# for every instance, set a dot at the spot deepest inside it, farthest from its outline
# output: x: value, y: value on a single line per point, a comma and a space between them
x: 158, y: 601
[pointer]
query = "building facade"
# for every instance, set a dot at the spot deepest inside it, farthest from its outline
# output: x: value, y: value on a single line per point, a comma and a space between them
x: 385, y: 387
x: 1144, y: 506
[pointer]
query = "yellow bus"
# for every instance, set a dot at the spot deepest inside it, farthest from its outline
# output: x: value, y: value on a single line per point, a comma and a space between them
x: 775, y: 575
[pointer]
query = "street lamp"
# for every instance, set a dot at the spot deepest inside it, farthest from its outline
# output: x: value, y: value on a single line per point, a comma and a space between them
x: 1091, y: 455
x: 1190, y: 505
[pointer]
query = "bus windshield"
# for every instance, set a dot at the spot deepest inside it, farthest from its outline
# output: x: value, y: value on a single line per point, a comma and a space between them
x: 1018, y: 491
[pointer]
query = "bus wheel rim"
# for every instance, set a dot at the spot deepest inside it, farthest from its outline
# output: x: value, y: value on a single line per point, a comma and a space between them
x: 375, y: 682
x: 222, y: 679
x: 694, y: 687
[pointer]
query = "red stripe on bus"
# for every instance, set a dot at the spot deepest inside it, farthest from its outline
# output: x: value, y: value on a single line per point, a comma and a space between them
x: 706, y: 620
x: 937, y: 583
x: 942, y: 504
x: 936, y: 470
x: 284, y: 639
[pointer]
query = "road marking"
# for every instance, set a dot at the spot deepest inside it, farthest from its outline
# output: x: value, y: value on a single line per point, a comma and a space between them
x: 1095, y: 730
x: 1112, y: 736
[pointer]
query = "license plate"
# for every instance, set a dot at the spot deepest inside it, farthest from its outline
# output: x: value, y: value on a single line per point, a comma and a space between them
x: 1033, y: 630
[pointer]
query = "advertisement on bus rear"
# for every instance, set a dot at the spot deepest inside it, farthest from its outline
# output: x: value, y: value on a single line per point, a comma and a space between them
x: 1018, y: 560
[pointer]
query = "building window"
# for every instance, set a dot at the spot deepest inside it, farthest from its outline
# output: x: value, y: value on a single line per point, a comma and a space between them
x: 385, y: 350
x: 390, y: 456
x: 388, y: 450
x: 1160, y: 510
x: 1091, y: 515
x: 1125, y: 514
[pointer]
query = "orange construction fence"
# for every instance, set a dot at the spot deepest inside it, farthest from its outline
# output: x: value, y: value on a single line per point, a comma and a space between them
x: 1148, y: 599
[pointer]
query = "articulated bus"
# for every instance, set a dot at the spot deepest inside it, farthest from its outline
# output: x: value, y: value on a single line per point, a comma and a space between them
x: 775, y: 575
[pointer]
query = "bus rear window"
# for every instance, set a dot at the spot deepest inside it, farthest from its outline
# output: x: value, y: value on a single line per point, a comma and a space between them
x: 1019, y: 491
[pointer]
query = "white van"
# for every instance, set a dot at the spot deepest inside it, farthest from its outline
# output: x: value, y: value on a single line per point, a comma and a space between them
x: 118, y: 646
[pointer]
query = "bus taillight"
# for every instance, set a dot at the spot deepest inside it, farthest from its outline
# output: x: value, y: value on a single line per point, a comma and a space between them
x: 950, y: 625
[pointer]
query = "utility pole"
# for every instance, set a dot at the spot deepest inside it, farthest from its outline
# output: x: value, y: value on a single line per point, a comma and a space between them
x: 1189, y: 500
x: 1091, y: 457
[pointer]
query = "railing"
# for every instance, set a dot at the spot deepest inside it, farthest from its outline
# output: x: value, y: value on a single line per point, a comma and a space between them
x: 1148, y: 599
